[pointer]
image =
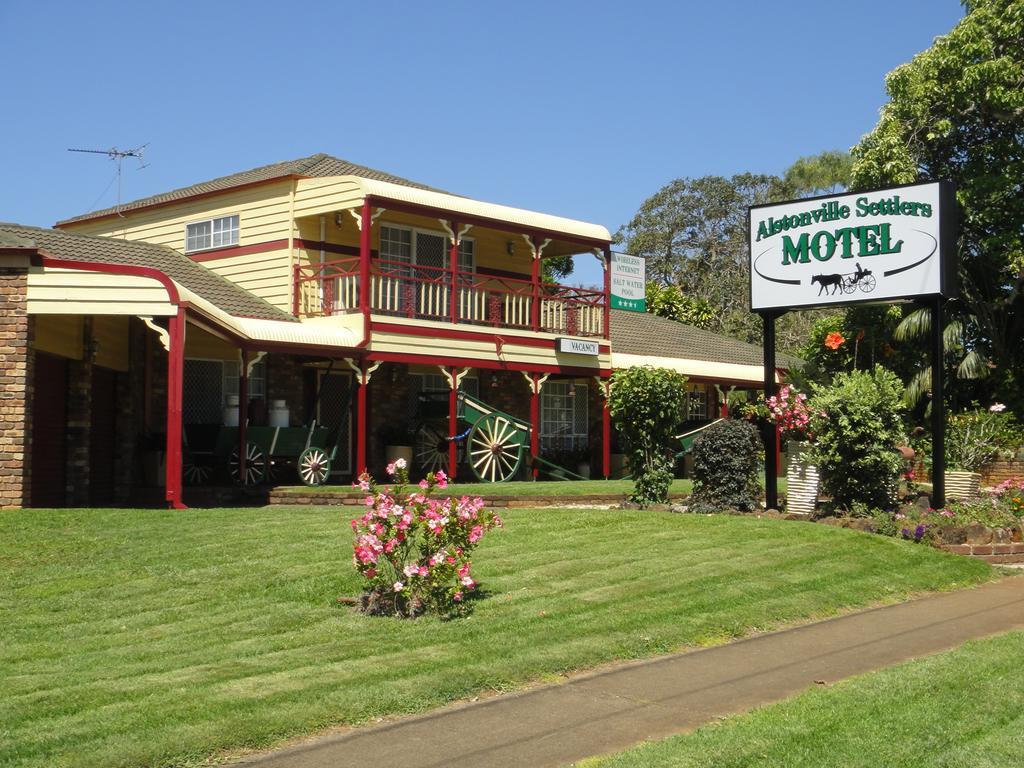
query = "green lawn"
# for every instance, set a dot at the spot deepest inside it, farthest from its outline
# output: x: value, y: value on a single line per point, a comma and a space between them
x: 961, y: 708
x: 136, y: 638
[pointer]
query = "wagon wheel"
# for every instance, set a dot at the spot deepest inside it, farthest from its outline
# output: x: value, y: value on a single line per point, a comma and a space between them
x: 849, y: 285
x: 496, y: 448
x: 255, y: 465
x: 195, y: 471
x: 867, y: 283
x: 314, y: 466
x: 431, y: 450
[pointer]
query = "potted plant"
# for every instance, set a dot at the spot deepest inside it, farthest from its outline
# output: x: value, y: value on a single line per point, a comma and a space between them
x: 791, y: 413
x: 398, y: 440
x: 973, y: 439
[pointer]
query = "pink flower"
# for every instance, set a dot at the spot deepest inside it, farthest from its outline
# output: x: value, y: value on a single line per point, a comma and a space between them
x: 441, y: 479
x: 399, y: 586
x: 997, y: 408
x: 457, y: 597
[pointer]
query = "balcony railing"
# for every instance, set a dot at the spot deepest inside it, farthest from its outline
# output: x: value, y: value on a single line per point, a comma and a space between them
x: 420, y: 292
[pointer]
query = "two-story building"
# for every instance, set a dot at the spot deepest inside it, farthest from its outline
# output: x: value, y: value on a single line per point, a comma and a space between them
x: 310, y: 291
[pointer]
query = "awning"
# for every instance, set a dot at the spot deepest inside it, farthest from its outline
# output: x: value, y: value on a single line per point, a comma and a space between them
x: 702, y: 369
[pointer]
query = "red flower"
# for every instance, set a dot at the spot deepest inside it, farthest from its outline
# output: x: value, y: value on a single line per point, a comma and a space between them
x: 834, y: 340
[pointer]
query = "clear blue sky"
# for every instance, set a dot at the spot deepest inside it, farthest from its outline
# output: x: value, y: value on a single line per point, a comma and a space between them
x: 581, y: 109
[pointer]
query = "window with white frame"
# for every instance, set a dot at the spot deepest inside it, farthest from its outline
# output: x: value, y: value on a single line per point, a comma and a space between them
x: 211, y: 233
x: 423, y: 248
x: 564, y: 418
x: 696, y: 402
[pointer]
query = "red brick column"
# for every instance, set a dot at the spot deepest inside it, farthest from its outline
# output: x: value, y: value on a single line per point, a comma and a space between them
x: 15, y: 388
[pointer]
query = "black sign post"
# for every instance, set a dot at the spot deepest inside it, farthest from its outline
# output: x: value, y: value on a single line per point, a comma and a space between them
x: 771, y: 457
x: 938, y: 408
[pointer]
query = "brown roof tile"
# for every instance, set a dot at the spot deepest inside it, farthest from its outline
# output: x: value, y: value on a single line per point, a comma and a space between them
x: 106, y: 250
x: 316, y: 165
x: 641, y: 333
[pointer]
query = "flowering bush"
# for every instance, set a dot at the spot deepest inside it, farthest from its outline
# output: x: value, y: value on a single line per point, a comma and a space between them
x: 412, y: 550
x: 791, y: 413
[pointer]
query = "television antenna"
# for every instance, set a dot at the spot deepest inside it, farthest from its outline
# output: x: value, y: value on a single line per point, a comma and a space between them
x: 118, y: 156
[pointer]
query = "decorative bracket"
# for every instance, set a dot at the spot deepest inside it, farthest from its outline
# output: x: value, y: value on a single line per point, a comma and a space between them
x: 600, y: 257
x: 163, y: 333
x: 535, y: 384
x: 723, y: 396
x: 452, y: 236
x: 604, y: 386
x: 255, y: 359
x: 454, y: 382
x: 537, y: 252
x: 364, y: 374
x: 358, y: 216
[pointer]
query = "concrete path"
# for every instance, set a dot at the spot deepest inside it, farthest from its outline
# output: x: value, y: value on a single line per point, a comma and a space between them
x: 609, y: 711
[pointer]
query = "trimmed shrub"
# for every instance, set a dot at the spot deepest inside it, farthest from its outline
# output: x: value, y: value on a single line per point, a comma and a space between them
x: 646, y: 404
x: 726, y: 462
x: 857, y: 428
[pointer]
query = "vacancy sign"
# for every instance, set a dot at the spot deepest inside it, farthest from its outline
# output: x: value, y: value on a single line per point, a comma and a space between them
x: 629, y: 282
x: 885, y: 245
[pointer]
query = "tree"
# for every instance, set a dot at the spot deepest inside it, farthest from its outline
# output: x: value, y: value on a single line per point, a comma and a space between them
x: 817, y: 175
x: 693, y: 234
x: 669, y: 301
x: 646, y: 405
x: 956, y: 111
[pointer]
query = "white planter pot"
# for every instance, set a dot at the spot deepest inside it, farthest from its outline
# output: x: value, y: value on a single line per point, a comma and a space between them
x: 963, y: 485
x: 802, y: 480
x: 393, y: 452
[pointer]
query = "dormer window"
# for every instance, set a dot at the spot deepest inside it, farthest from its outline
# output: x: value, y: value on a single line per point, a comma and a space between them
x: 211, y: 233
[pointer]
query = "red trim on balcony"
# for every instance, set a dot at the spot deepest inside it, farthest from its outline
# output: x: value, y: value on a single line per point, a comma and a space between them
x: 447, y: 333
x: 491, y: 365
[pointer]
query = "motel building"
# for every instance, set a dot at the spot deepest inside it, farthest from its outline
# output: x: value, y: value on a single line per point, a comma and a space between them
x: 311, y: 315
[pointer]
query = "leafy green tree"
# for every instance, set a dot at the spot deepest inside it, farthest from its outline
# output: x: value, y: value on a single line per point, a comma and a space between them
x: 693, y: 234
x: 726, y: 462
x: 646, y: 405
x: 858, y: 425
x: 819, y: 174
x: 668, y: 301
x: 956, y: 111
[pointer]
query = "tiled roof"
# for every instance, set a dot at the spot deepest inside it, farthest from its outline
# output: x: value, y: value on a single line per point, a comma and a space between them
x: 316, y: 165
x: 641, y: 333
x: 106, y: 250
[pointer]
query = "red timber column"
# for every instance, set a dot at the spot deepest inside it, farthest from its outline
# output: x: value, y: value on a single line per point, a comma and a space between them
x: 243, y: 419
x: 604, y: 387
x: 454, y: 377
x: 607, y: 260
x: 175, y: 369
x: 536, y: 382
x: 363, y: 374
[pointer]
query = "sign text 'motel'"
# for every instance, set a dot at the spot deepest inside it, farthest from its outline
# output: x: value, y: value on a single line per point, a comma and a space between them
x: 629, y: 282
x: 578, y: 346
x: 884, y: 245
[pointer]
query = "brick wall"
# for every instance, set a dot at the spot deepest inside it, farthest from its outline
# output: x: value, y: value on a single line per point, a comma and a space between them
x: 999, y: 471
x: 15, y: 390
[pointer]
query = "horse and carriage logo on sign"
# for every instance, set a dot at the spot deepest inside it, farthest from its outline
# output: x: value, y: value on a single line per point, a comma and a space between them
x: 847, y: 282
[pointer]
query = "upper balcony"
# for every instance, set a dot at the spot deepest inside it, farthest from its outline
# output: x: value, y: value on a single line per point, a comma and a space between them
x: 418, y: 292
